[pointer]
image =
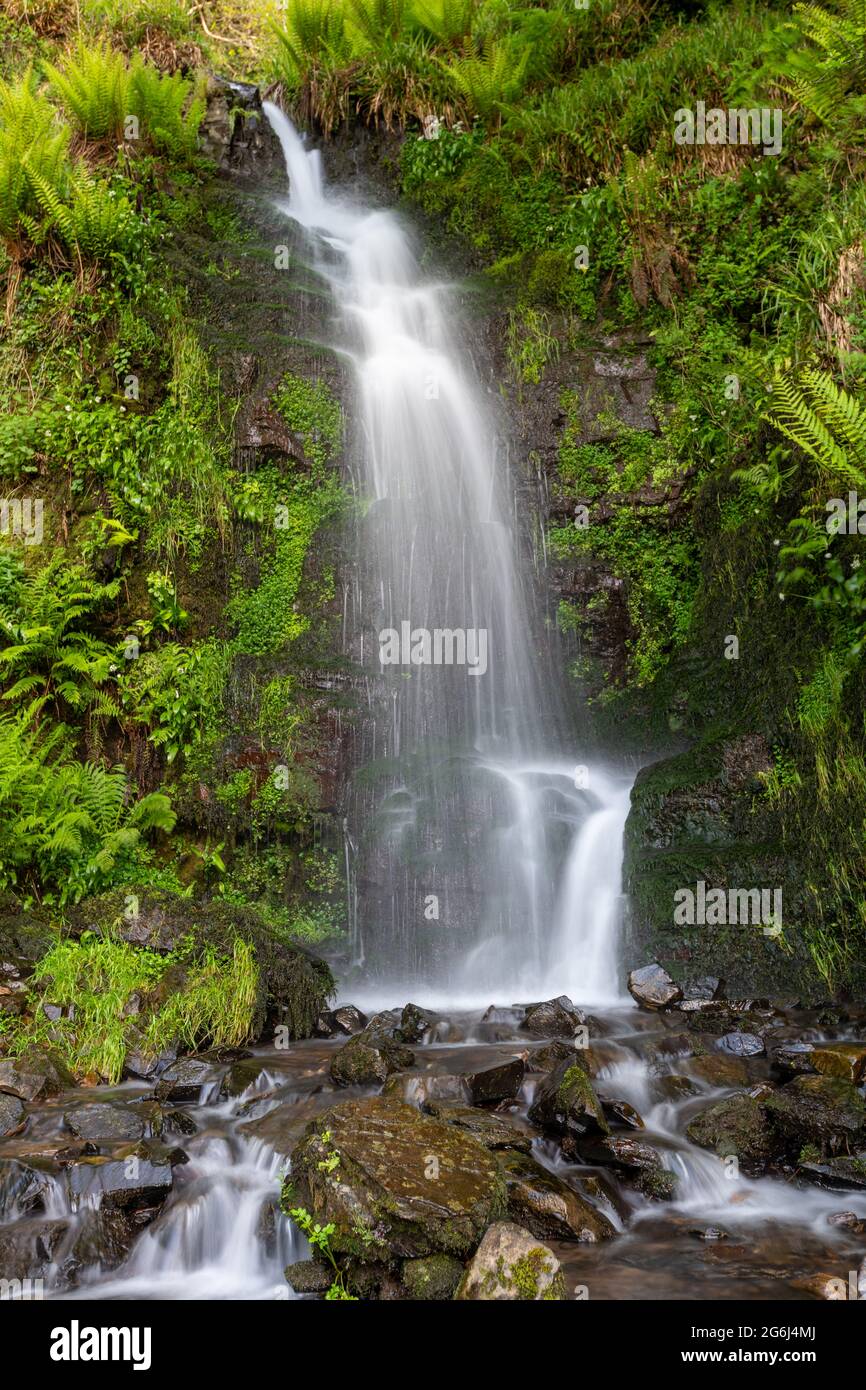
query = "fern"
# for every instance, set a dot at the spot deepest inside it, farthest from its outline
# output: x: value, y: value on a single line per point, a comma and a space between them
x: 489, y: 80
x: 314, y: 36
x: 826, y: 76
x: 31, y: 144
x: 169, y: 119
x: 823, y: 420
x: 95, y: 91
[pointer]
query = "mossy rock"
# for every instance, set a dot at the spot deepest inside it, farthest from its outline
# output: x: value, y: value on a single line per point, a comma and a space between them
x: 294, y: 984
x: 566, y: 1104
x: 740, y: 1127
x: 396, y: 1184
x: 826, y: 1111
x: 510, y: 1265
x: 434, y: 1278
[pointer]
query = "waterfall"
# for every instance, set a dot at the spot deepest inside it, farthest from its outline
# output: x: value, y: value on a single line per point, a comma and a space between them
x: 488, y: 856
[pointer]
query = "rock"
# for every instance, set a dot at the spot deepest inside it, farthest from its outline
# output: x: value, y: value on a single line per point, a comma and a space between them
x: 415, y: 1024
x: 546, y: 1058
x: 827, y: 1286
x: 555, y: 1018
x: 740, y: 1127
x: 510, y: 1264
x: 653, y: 988
x: 368, y: 1058
x: 427, y: 1088
x: 493, y: 1131
x: 433, y: 1278
x: 280, y: 1128
x: 847, y: 1060
x: 639, y: 1163
x: 794, y: 1059
x: 104, y: 1121
x: 822, y: 1110
x: 234, y: 132
x: 566, y: 1104
x: 741, y: 1044
x: 140, y: 1175
x: 145, y: 1066
x: 846, y: 1174
x: 659, y: 1052
x: 242, y: 1075
x: 28, y: 1248
x: 35, y: 1075
x: 721, y: 1070
x: 542, y: 1203
x: 415, y: 1185
x: 674, y: 1088
x: 347, y: 1019
x: 621, y: 1115
x: 708, y: 987
x: 847, y: 1221
x: 308, y: 1276
x: 12, y: 1117
x: 497, y: 1083
x: 184, y: 1080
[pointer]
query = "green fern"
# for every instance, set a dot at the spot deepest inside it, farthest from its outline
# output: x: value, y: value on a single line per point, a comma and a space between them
x: 828, y: 75
x: 823, y: 420
x: 94, y: 88
x: 491, y: 79
x: 169, y: 118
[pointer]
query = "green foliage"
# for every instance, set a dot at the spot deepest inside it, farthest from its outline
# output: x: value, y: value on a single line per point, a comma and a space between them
x: 94, y: 89
x: 319, y: 1237
x: 530, y: 344
x: 309, y: 408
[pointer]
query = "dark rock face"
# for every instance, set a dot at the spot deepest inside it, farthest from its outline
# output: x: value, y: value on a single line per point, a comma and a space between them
x: 415, y: 1024
x: 491, y: 1130
x: 510, y: 1265
x: 545, y: 1205
x: 566, y: 1104
x: 740, y: 1127
x: 652, y: 987
x: 11, y: 1114
x: 35, y: 1075
x: 826, y: 1111
x: 104, y: 1121
x: 139, y: 1176
x: 838, y: 1174
x: 555, y: 1018
x: 308, y: 1276
x: 234, y: 132
x: 347, y: 1019
x: 497, y: 1083
x: 369, y: 1057
x: 416, y: 1186
x: 637, y: 1163
x: 184, y: 1080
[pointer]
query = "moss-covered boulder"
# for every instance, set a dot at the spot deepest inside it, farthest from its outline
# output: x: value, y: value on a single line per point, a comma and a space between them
x: 433, y: 1279
x: 34, y: 1075
x: 545, y: 1205
x: 566, y: 1104
x: 368, y: 1059
x: 740, y: 1127
x: 294, y: 985
x: 510, y: 1264
x: 826, y: 1111
x: 396, y: 1184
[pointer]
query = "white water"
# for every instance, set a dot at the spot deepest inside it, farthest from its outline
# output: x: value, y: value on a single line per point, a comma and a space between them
x: 478, y: 815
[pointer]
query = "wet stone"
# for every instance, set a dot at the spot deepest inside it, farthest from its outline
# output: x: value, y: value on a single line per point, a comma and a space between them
x: 184, y: 1080
x: 497, y: 1083
x: 104, y: 1121
x: 566, y: 1104
x: 433, y: 1278
x: 308, y: 1276
x: 491, y: 1130
x: 510, y: 1264
x: 554, y: 1018
x: 12, y: 1116
x: 545, y: 1205
x: 652, y: 987
x: 741, y: 1044
x: 33, y: 1076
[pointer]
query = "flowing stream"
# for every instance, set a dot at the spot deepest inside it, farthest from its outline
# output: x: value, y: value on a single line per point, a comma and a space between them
x: 486, y: 856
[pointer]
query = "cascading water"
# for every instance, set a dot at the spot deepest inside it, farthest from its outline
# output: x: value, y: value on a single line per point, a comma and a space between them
x: 485, y: 864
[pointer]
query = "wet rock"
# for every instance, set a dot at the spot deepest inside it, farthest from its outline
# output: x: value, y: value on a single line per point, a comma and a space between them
x: 674, y: 1088
x: 28, y: 1248
x: 844, y: 1059
x: 309, y: 1276
x: 546, y: 1058
x: 566, y: 1104
x: 793, y: 1059
x: 659, y: 1052
x: 234, y: 132
x: 491, y: 1130
x: 638, y: 1163
x: 829, y: 1287
x: 761, y: 1091
x: 740, y: 1127
x: 138, y: 1176
x: 23, y: 1188
x: 12, y: 1117
x: 822, y: 1110
x: 35, y: 1075
x: 555, y: 1018
x: 542, y: 1203
x: 433, y: 1278
x: 184, y: 1080
x: 847, y: 1221
x: 415, y: 1024
x: 707, y: 987
x: 843, y: 1174
x: 652, y: 987
x: 497, y: 1083
x: 621, y: 1115
x: 280, y: 1128
x: 720, y: 1070
x: 347, y: 1019
x: 368, y: 1058
x: 425, y: 1089
x: 415, y: 1185
x: 510, y: 1264
x: 104, y: 1121
x: 146, y: 1066
x: 242, y: 1075
x: 741, y: 1044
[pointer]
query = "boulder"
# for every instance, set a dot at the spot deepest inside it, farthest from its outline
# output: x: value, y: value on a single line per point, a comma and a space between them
x: 555, y: 1018
x: 346, y: 1019
x: 12, y: 1117
x: 395, y: 1184
x: 427, y: 1088
x: 720, y: 1070
x: 102, y: 1120
x: 184, y: 1080
x: 433, y: 1278
x: 35, y: 1075
x: 545, y: 1205
x: 621, y: 1115
x: 546, y: 1058
x: 739, y: 1126
x: 843, y: 1174
x: 637, y: 1163
x: 510, y: 1264
x: 566, y: 1104
x: 140, y: 1175
x: 823, y: 1110
x: 415, y: 1024
x: 497, y: 1083
x: 741, y: 1044
x: 241, y: 1075
x: 652, y: 987
x: 845, y: 1059
x: 309, y: 1276
x: 368, y: 1059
